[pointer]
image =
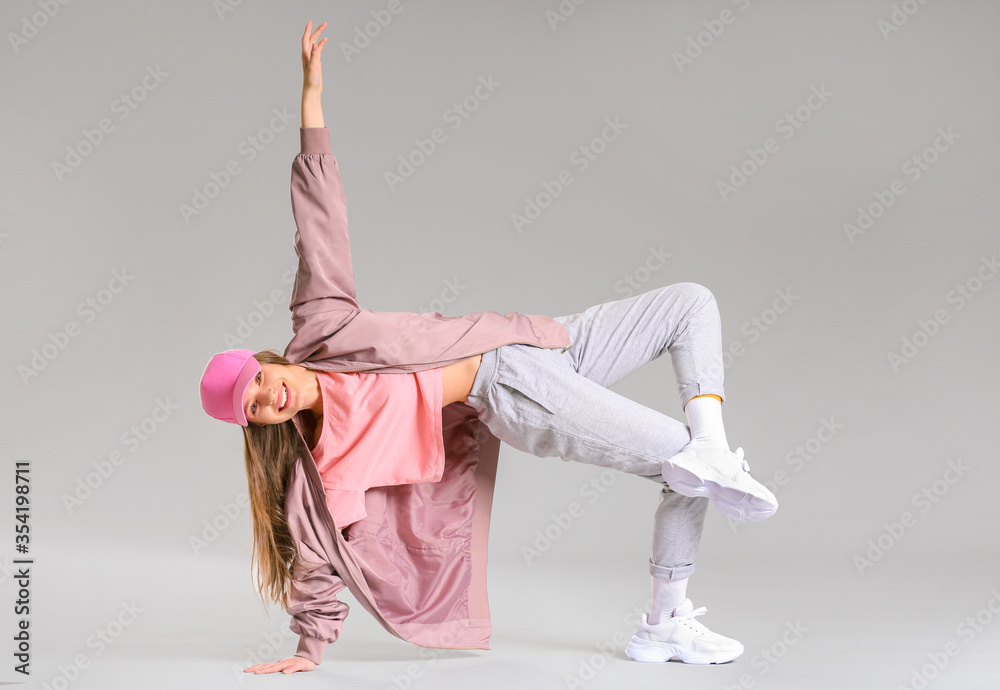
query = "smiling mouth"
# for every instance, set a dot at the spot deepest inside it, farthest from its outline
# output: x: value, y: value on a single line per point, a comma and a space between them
x: 284, y: 403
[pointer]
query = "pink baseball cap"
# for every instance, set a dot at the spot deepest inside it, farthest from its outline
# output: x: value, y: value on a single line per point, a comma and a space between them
x: 223, y: 383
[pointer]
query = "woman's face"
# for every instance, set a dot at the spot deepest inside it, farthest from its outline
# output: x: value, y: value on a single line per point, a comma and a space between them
x: 269, y: 397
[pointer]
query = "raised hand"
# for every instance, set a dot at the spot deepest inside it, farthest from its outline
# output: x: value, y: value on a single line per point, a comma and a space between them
x: 312, y: 70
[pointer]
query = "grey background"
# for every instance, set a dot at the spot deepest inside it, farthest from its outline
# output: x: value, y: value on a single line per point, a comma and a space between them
x: 825, y: 358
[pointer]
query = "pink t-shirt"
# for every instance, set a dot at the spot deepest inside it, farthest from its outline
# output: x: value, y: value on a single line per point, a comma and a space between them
x: 377, y: 430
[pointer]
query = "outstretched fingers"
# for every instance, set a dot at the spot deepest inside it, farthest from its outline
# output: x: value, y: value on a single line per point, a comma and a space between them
x: 309, y: 39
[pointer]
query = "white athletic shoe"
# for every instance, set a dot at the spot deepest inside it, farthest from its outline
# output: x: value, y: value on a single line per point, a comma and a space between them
x: 724, y: 477
x: 682, y: 637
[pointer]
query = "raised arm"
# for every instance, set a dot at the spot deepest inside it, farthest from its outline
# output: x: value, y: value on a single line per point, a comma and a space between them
x: 325, y: 279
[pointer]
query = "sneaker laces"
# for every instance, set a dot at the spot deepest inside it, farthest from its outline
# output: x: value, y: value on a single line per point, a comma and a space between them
x: 689, y: 621
x: 739, y: 456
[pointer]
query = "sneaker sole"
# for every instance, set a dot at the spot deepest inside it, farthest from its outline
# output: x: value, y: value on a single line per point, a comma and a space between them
x: 680, y: 473
x: 649, y: 651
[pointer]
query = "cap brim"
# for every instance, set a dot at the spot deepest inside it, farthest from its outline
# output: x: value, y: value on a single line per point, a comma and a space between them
x: 247, y: 373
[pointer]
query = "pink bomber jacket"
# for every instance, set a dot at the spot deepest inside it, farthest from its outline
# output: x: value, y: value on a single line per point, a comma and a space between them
x: 417, y: 560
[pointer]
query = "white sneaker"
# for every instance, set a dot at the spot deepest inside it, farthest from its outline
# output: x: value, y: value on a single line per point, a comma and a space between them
x: 723, y: 476
x: 682, y: 637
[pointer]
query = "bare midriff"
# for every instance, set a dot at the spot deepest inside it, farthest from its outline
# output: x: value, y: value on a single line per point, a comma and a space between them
x: 457, y: 379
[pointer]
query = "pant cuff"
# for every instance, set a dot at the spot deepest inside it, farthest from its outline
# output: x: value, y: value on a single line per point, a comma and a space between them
x: 678, y: 572
x: 694, y: 389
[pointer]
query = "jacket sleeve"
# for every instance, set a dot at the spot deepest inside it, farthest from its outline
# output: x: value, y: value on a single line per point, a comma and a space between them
x: 317, y: 615
x: 324, y: 280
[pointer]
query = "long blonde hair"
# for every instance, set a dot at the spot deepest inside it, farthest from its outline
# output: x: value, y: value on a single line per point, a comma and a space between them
x: 270, y: 451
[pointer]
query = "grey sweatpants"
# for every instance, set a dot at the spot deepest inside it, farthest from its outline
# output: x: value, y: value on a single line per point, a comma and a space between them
x: 554, y: 402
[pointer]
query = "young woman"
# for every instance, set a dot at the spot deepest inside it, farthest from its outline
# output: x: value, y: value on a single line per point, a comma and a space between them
x: 370, y: 444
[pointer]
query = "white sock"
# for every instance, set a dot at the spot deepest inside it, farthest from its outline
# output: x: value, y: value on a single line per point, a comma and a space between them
x: 667, y: 596
x: 704, y: 414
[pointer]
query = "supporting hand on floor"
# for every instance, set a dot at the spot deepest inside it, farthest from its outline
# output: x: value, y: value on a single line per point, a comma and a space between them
x: 289, y: 665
